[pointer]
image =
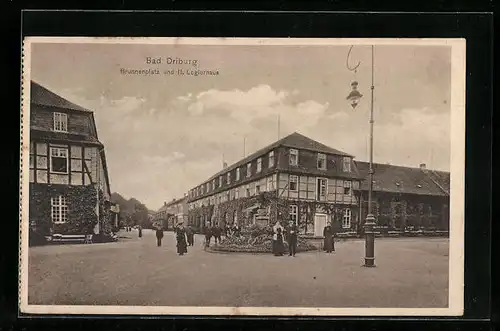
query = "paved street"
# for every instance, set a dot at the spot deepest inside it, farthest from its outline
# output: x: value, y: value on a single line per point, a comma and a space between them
x: 410, y: 273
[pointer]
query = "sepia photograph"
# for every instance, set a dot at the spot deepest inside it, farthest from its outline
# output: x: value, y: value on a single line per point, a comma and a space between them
x: 242, y: 176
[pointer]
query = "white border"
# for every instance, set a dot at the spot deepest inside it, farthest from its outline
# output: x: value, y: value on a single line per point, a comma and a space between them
x: 457, y: 174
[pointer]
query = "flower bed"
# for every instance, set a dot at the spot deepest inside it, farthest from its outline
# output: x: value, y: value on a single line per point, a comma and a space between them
x: 257, y: 240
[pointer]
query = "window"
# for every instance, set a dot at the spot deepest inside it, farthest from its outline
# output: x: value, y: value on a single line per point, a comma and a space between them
x: 59, y: 160
x: 259, y: 164
x: 249, y: 169
x: 60, y: 122
x: 271, y: 183
x: 294, y: 214
x: 321, y: 185
x: 247, y: 191
x: 347, y: 187
x: 257, y: 189
x: 213, y: 184
x: 271, y: 159
x: 293, y: 183
x: 237, y: 173
x: 237, y: 193
x: 59, y: 209
x: 346, y: 219
x: 321, y: 161
x: 294, y: 157
x: 220, y: 181
x: 346, y: 164
x: 207, y: 185
x: 32, y: 155
x: 228, y: 178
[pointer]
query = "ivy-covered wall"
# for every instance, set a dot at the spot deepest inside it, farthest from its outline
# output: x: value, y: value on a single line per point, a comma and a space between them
x: 400, y: 211
x: 81, y: 201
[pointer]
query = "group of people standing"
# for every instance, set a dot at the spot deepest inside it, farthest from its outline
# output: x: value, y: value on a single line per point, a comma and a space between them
x: 217, y: 232
x: 279, y: 234
x: 279, y: 238
x: 183, y: 235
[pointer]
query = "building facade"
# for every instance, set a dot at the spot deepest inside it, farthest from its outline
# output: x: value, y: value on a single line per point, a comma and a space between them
x: 295, y: 179
x: 69, y: 183
x: 405, y: 198
x: 172, y: 213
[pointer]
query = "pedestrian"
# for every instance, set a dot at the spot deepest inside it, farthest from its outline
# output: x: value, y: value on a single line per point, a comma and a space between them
x: 208, y: 235
x: 159, y: 236
x: 180, y: 235
x: 278, y: 246
x: 292, y: 240
x: 140, y: 231
x: 236, y: 230
x: 328, y: 245
x: 190, y: 235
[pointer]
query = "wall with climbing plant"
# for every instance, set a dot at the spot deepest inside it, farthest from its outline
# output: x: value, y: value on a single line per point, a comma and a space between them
x: 402, y: 211
x: 244, y: 210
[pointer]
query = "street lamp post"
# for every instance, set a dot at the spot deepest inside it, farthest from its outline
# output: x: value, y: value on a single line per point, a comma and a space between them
x: 354, y: 97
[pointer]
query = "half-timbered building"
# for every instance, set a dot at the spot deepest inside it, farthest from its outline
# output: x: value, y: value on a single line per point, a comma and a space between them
x: 296, y: 179
x: 69, y: 183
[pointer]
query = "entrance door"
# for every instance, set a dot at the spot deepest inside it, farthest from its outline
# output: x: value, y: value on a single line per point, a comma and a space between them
x: 319, y: 224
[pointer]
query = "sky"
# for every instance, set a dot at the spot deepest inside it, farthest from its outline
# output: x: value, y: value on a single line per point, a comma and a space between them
x: 164, y: 134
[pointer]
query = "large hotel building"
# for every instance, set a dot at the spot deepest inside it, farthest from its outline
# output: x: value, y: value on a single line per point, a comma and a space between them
x: 295, y: 179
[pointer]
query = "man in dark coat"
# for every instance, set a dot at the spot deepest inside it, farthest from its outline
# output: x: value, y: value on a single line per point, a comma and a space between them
x: 180, y: 235
x: 140, y: 231
x: 292, y: 240
x: 190, y: 235
x: 159, y: 236
x: 328, y: 245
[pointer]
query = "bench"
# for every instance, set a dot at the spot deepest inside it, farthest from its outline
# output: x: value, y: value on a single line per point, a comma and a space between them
x: 72, y: 238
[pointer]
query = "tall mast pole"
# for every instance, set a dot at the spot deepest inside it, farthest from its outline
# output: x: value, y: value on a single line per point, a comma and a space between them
x: 370, y: 219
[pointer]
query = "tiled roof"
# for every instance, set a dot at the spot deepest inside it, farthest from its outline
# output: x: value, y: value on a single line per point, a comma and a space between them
x: 441, y: 178
x: 391, y: 178
x: 294, y: 140
x: 43, y: 97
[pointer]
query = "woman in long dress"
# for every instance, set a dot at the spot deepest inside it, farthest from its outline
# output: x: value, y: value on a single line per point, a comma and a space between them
x: 278, y: 247
x: 180, y: 235
x: 328, y: 239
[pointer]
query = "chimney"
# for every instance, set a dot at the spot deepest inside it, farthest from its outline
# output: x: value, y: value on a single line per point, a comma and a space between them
x: 164, y: 203
x: 224, y: 165
x: 422, y: 166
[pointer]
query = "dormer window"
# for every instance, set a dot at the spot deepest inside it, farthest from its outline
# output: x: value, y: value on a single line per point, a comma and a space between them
x: 60, y: 122
x: 294, y: 157
x: 228, y: 178
x: 237, y: 173
x: 321, y: 161
x: 259, y: 164
x: 346, y: 164
x: 249, y: 169
x: 271, y: 159
x: 220, y: 181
